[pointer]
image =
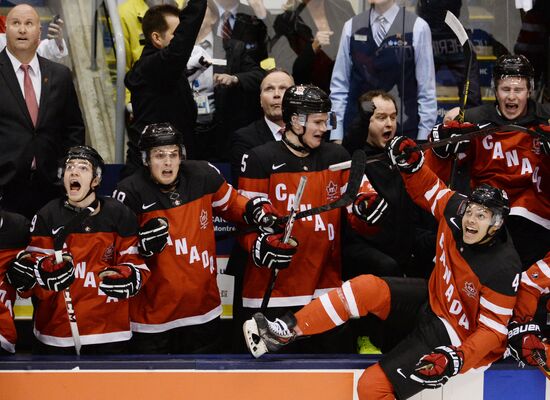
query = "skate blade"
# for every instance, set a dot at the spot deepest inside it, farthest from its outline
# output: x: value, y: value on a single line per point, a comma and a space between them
x: 254, y: 342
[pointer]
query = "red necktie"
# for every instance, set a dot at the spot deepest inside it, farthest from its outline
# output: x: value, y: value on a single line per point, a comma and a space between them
x: 227, y: 31
x: 30, y: 95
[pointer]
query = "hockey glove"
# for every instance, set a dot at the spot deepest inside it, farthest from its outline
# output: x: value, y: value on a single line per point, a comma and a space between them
x: 120, y: 281
x: 20, y: 273
x: 434, y: 370
x: 370, y: 207
x: 525, y: 344
x: 450, y: 129
x: 153, y: 236
x: 544, y: 144
x: 269, y: 251
x: 260, y: 212
x: 405, y: 154
x: 53, y: 276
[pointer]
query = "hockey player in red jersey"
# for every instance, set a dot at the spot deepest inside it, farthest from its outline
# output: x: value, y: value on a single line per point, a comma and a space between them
x: 274, y: 170
x: 175, y: 200
x: 458, y: 321
x: 100, y: 265
x: 526, y: 342
x: 507, y: 160
x: 14, y: 238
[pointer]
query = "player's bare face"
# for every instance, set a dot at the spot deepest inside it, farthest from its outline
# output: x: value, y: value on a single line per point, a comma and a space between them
x: 316, y: 126
x: 383, y: 123
x: 475, y: 223
x: 512, y: 95
x: 78, y: 179
x: 271, y: 96
x: 164, y: 163
x: 22, y: 29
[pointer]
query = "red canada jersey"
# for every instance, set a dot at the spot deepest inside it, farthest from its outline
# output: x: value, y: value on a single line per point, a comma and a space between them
x: 272, y: 171
x: 182, y: 289
x: 14, y: 237
x: 472, y: 288
x: 104, y: 239
x: 535, y: 282
x: 509, y: 161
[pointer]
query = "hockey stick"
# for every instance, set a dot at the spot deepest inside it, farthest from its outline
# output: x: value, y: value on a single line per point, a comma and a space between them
x: 454, y: 24
x: 453, y: 139
x: 541, y: 364
x: 286, y: 236
x: 58, y: 242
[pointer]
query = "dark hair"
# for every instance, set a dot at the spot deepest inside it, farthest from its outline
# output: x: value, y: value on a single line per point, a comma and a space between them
x: 371, y: 94
x: 154, y: 20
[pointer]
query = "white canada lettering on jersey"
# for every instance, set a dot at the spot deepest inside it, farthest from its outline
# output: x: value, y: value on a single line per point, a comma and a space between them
x: 454, y: 304
x: 89, y: 280
x: 511, y: 156
x: 80, y: 270
x: 330, y: 232
x: 536, y: 179
x: 319, y: 224
x: 181, y: 246
x: 280, y: 192
x: 526, y: 167
x: 7, y: 303
x: 194, y: 255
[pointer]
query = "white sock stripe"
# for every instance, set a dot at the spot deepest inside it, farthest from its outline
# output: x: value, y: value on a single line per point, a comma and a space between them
x: 350, y: 299
x: 330, y: 310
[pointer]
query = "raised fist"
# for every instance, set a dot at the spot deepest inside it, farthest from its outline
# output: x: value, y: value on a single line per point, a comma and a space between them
x: 405, y: 154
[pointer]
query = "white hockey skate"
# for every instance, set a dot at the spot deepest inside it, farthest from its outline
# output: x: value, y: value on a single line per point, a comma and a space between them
x: 263, y: 336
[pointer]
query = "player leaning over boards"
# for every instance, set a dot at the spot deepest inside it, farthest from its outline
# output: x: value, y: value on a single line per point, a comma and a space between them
x: 175, y: 200
x: 99, y: 264
x: 462, y: 313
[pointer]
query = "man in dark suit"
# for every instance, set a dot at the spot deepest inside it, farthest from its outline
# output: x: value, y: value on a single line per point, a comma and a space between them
x: 266, y: 129
x: 40, y: 116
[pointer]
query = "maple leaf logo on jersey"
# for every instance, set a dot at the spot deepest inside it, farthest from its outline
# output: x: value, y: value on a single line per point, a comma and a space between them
x: 470, y: 289
x: 204, y: 219
x: 332, y: 191
x: 108, y: 254
x: 536, y: 146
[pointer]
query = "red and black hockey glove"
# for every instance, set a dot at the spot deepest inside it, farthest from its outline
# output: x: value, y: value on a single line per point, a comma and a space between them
x: 53, y: 276
x: 261, y: 213
x: 544, y: 144
x: 405, y: 154
x: 153, y: 236
x: 450, y: 129
x: 269, y: 251
x: 370, y: 207
x: 434, y: 370
x: 120, y: 281
x: 525, y: 344
x: 20, y: 272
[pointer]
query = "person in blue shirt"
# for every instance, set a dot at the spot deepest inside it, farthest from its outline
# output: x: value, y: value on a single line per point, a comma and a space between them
x: 390, y: 49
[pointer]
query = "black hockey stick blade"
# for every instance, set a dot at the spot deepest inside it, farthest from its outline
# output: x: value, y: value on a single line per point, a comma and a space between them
x: 358, y: 162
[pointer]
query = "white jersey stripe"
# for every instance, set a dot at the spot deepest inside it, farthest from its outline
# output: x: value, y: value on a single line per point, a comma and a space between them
x: 350, y: 299
x: 527, y: 281
x: 496, y: 326
x: 494, y: 308
x: 330, y: 310
x: 223, y: 200
x: 430, y: 193
x: 440, y: 194
x: 251, y: 194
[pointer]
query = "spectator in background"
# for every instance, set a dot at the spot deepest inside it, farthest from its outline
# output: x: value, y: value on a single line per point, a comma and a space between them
x: 312, y: 28
x: 131, y: 14
x: 268, y: 128
x: 158, y: 82
x: 40, y: 116
x: 390, y: 49
x: 53, y: 48
x: 447, y: 49
x: 226, y: 95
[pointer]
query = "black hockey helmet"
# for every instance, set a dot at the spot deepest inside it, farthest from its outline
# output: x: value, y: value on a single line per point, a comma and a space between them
x: 161, y: 134
x: 304, y: 100
x: 85, y: 153
x: 513, y: 65
x: 492, y: 198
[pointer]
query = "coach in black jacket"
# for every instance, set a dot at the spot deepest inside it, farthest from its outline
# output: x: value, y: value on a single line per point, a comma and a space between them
x: 157, y: 82
x: 32, y: 145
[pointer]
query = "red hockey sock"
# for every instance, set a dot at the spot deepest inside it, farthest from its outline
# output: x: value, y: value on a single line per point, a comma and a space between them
x: 374, y: 385
x: 355, y: 298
